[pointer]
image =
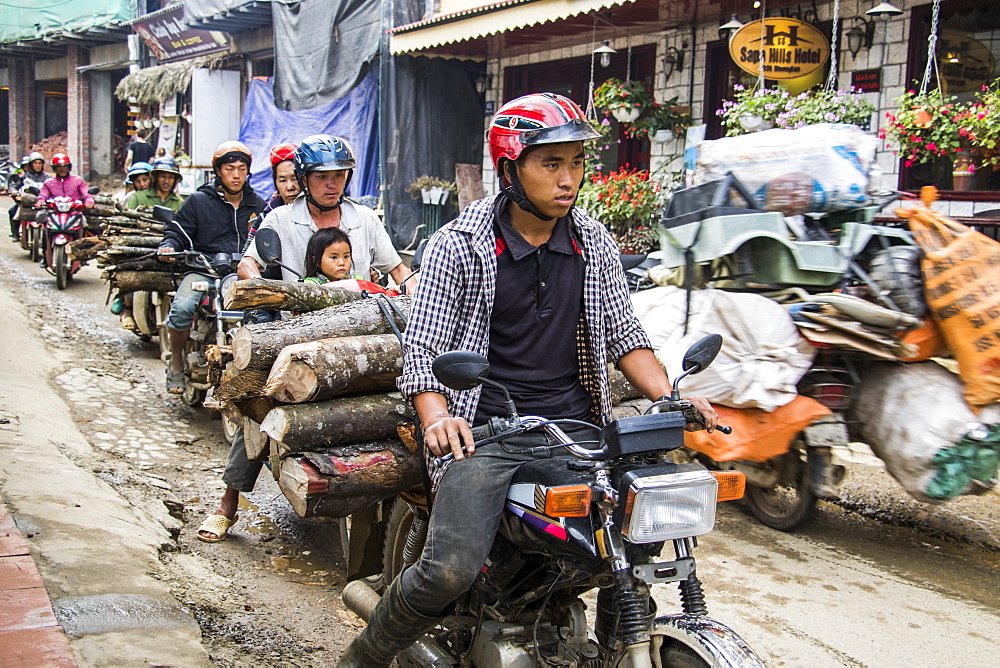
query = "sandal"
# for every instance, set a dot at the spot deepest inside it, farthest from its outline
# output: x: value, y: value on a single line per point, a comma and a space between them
x: 175, y: 382
x: 216, y: 525
x: 128, y: 322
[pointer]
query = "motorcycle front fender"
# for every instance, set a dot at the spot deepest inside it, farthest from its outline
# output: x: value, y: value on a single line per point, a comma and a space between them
x: 713, y: 641
x: 61, y: 240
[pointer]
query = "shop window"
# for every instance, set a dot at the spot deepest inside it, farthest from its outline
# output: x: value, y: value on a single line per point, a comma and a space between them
x: 571, y: 77
x: 968, y: 53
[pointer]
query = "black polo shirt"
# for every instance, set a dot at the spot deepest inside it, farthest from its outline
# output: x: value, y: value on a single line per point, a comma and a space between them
x: 536, y: 312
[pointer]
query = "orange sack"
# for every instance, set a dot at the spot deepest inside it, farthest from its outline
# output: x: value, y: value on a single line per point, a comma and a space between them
x: 961, y: 277
x: 757, y: 435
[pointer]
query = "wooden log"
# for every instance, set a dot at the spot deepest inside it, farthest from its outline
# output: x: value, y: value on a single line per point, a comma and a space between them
x: 257, y: 346
x: 258, y: 444
x: 322, y: 369
x: 135, y: 240
x: 130, y: 264
x: 102, y: 211
x: 341, y: 481
x: 86, y: 248
x: 130, y: 250
x: 255, y: 408
x: 305, y: 427
x: 286, y: 295
x: 150, y: 281
x: 243, y: 385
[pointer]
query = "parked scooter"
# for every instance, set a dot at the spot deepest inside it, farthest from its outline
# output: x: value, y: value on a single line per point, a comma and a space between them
x: 213, y: 324
x: 598, y: 519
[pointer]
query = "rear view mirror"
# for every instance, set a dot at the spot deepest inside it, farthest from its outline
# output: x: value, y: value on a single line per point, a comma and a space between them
x: 163, y: 214
x: 700, y: 355
x: 460, y: 369
x: 94, y: 190
x: 32, y: 190
x: 268, y: 245
x: 418, y: 255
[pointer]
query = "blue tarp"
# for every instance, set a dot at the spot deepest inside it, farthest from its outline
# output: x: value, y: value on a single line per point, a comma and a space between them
x: 353, y: 117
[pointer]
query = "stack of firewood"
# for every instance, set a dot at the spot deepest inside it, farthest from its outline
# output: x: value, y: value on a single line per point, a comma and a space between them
x: 317, y: 397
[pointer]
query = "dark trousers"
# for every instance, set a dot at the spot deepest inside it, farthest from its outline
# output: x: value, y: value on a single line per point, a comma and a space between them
x: 15, y: 224
x: 464, y: 520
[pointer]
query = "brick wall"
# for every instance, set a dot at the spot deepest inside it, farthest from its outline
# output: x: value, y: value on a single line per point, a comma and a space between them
x: 21, y: 106
x: 78, y: 110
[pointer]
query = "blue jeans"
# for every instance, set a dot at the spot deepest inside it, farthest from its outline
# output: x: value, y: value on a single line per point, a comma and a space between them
x: 464, y: 520
x: 185, y: 303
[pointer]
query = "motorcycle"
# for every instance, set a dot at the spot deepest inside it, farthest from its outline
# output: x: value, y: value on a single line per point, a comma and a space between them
x: 31, y: 230
x: 598, y: 519
x: 213, y: 323
x: 64, y: 224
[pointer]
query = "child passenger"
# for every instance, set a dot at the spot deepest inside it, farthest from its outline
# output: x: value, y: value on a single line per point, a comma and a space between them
x: 328, y: 256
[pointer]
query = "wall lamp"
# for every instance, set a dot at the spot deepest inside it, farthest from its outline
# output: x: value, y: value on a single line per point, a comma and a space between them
x: 861, y: 35
x: 673, y: 59
x: 727, y: 30
x: 604, y: 51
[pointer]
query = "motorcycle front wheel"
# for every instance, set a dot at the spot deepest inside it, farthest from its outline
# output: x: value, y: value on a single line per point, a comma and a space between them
x: 791, y: 502
x: 61, y: 262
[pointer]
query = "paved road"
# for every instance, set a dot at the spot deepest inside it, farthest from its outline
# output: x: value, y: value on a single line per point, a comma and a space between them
x: 918, y: 586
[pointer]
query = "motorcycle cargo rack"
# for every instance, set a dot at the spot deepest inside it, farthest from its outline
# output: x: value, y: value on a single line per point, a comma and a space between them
x: 708, y: 200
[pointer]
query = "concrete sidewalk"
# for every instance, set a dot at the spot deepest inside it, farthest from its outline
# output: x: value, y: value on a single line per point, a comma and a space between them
x: 97, y: 555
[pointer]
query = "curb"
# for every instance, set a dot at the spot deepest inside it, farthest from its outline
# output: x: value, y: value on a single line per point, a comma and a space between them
x: 29, y: 632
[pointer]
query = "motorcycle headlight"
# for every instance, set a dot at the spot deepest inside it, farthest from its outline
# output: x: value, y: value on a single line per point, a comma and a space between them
x: 227, y: 282
x: 64, y: 207
x: 674, y: 505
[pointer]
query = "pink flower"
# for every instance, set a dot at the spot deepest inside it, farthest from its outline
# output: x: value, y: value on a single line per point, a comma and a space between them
x: 908, y: 163
x: 931, y: 146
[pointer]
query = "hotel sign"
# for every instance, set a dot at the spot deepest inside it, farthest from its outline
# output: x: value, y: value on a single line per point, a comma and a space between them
x: 787, y: 48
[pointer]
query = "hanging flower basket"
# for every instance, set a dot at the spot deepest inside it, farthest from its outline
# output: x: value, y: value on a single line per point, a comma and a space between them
x: 625, y: 114
x: 627, y: 100
x: 920, y: 139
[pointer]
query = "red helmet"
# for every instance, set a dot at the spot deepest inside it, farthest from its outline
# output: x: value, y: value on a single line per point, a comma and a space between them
x: 282, y: 152
x: 231, y: 149
x: 530, y: 120
x: 60, y: 159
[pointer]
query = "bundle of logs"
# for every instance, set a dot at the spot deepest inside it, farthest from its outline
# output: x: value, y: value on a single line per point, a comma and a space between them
x: 126, y: 248
x: 316, y: 395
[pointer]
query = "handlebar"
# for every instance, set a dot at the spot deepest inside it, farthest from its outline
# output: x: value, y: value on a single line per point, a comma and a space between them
x: 691, y: 414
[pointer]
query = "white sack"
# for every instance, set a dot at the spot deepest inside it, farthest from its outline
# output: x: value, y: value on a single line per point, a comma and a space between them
x: 907, y: 413
x: 823, y: 167
x: 763, y: 356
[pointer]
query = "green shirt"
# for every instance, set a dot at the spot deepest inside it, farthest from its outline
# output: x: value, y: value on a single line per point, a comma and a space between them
x: 149, y: 197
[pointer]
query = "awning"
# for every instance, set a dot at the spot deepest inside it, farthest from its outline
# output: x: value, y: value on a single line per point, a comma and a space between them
x: 155, y: 84
x: 491, y: 19
x: 83, y: 22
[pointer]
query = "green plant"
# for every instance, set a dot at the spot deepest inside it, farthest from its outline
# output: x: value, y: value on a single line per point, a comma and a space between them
x: 825, y: 106
x: 767, y: 103
x: 426, y: 182
x: 664, y: 116
x: 627, y: 202
x: 981, y: 126
x: 615, y: 93
x: 925, y: 126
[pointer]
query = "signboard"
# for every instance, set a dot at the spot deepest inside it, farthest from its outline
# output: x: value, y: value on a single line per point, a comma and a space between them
x: 788, y: 48
x: 169, y: 38
x: 867, y: 81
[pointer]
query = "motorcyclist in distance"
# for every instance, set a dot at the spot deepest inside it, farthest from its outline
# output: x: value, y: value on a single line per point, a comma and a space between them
x: 64, y: 184
x: 32, y: 175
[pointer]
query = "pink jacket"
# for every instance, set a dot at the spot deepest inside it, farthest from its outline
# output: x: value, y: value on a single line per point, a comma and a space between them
x: 72, y: 186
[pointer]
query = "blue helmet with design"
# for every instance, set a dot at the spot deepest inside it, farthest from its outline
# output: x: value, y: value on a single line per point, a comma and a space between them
x: 323, y: 153
x: 137, y: 169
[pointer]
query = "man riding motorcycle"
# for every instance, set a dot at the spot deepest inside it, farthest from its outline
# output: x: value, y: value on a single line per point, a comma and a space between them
x: 562, y: 314
x: 215, y: 219
x: 324, y: 166
x: 64, y: 184
x: 164, y: 177
x: 32, y: 175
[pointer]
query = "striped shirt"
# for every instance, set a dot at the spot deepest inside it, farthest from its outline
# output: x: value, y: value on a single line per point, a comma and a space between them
x: 453, y: 305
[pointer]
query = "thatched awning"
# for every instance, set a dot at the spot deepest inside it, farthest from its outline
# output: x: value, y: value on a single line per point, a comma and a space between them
x: 155, y: 84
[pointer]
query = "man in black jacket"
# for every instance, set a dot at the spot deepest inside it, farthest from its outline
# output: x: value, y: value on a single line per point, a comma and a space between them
x: 216, y: 219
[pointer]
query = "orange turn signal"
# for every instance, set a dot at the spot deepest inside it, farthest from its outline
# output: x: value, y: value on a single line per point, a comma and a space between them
x: 567, y: 501
x: 731, y: 485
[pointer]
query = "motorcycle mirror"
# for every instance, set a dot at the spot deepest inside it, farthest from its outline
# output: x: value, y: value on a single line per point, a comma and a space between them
x: 418, y: 256
x: 631, y: 261
x: 460, y: 369
x: 33, y: 191
x: 700, y: 355
x: 268, y: 245
x: 94, y: 190
x: 163, y: 214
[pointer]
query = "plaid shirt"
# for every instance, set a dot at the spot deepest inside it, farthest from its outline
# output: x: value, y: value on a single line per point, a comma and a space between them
x: 454, y: 302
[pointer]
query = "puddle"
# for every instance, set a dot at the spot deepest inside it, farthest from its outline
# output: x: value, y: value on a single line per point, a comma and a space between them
x: 104, y: 613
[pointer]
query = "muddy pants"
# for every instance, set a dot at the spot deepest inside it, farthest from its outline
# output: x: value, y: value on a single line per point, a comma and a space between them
x: 464, y: 520
x: 240, y: 473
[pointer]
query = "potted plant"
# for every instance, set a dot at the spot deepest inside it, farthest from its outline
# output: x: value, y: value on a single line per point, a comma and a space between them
x: 925, y: 127
x: 663, y: 122
x: 980, y: 131
x: 431, y: 189
x: 752, y: 110
x: 626, y: 100
x: 826, y: 106
x: 628, y: 203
